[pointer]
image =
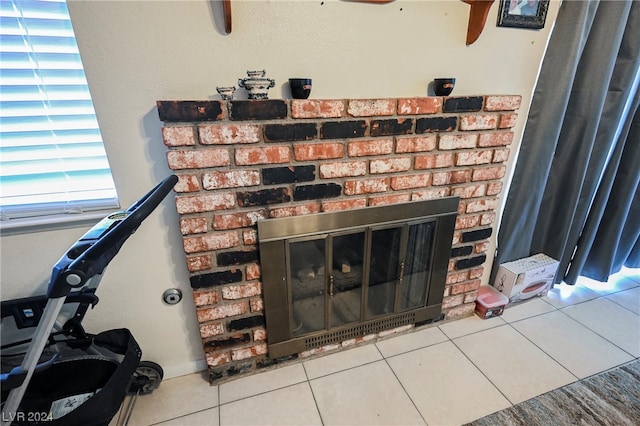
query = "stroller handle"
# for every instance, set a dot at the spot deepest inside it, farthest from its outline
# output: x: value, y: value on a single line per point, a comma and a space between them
x: 97, y: 247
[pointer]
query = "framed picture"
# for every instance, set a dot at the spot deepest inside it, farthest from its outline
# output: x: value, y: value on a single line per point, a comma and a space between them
x: 523, y: 13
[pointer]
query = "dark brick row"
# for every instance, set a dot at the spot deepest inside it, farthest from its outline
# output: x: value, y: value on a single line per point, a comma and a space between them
x: 401, y: 126
x: 314, y: 192
x: 173, y: 111
x: 215, y: 279
x: 279, y: 175
x: 236, y: 257
x: 290, y: 132
x: 263, y: 197
x: 471, y: 262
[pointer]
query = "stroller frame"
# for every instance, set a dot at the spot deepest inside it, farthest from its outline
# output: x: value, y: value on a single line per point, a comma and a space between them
x: 80, y: 267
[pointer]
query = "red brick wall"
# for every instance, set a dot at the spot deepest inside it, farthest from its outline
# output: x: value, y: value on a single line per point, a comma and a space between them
x: 242, y: 161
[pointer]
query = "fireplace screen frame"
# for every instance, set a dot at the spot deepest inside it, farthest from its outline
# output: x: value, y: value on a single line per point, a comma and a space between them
x: 276, y: 235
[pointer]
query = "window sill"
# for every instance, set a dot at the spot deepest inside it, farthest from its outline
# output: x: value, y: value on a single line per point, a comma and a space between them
x: 51, y: 223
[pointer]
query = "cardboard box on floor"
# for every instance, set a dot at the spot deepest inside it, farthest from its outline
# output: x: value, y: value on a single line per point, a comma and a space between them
x: 525, y: 278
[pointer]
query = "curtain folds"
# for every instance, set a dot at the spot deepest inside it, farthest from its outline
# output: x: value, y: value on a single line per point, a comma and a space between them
x: 576, y: 179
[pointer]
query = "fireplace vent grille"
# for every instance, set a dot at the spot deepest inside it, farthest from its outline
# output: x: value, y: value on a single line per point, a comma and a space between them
x: 360, y: 330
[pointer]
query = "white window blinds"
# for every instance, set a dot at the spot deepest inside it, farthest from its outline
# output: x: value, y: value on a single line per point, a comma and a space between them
x: 52, y: 159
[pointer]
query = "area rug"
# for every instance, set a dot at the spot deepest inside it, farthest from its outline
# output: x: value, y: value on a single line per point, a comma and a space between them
x: 608, y: 398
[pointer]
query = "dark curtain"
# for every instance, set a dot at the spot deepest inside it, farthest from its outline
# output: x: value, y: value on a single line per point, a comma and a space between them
x: 574, y: 193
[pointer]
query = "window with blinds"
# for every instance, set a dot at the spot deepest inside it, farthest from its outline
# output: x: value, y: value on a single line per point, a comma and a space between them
x: 52, y: 158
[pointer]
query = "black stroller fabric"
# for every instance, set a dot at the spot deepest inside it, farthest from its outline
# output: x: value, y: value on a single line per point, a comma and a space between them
x: 86, y: 384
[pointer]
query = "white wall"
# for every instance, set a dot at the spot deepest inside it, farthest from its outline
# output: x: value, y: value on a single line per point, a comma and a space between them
x: 138, y: 52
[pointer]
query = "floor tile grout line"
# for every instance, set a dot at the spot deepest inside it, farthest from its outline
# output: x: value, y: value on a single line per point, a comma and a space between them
x: 450, y: 339
x: 595, y: 331
x: 313, y: 394
x: 406, y: 392
x: 480, y: 370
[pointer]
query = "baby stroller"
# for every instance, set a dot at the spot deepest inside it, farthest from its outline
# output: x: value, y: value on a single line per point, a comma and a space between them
x: 66, y: 376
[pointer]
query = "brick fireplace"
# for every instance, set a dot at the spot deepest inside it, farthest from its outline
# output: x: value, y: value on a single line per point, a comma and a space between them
x: 240, y: 162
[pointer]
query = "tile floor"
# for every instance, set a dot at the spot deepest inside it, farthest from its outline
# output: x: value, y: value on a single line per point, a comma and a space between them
x: 446, y: 374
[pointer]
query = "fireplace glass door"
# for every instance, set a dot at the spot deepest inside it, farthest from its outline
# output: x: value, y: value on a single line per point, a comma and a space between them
x: 347, y: 277
x: 335, y: 276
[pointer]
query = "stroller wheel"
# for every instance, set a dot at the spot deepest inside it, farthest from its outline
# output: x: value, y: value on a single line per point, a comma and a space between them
x: 147, y: 378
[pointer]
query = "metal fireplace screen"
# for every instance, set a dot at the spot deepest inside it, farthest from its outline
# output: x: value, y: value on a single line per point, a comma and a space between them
x: 334, y: 276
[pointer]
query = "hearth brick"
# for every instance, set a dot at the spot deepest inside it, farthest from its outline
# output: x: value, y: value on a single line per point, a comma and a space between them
x: 227, y: 342
x: 215, y: 279
x: 347, y: 169
x: 205, y: 203
x: 214, y: 359
x: 469, y: 191
x: 457, y: 277
x: 447, y: 178
x: 244, y: 353
x: 315, y: 192
x: 476, y: 235
x: 207, y: 297
x: 417, y: 144
x: 199, y: 263
x: 290, y: 132
x: 410, y: 181
x: 238, y: 220
x: 241, y: 291
x: 211, y: 329
x: 187, y: 111
x: 419, y: 106
x: 494, y: 188
x: 461, y: 251
x: 252, y: 271
x: 401, y: 126
x: 291, y: 174
x: 371, y: 107
x: 299, y: 210
x: 461, y: 141
x: 263, y: 197
x: 222, y: 311
x: 193, y: 225
x: 488, y: 218
x: 226, y: 134
x: 436, y: 124
x: 479, y: 122
x: 317, y: 151
x: 482, y: 205
x: 244, y: 323
x: 261, y: 159
x: 343, y: 129
x: 230, y: 258
x: 230, y: 179
x: 257, y: 110
x: 366, y: 186
x: 502, y: 103
x: 381, y: 200
x: 465, y: 104
x: 489, y: 173
x: 390, y: 165
x: 473, y: 158
x: 370, y: 147
x: 192, y: 159
x: 429, y: 194
x: 495, y: 139
x: 249, y: 236
x: 187, y: 183
x: 433, y: 161
x: 178, y: 136
x: 354, y: 203
x: 317, y: 108
x: 500, y: 155
x: 263, y: 155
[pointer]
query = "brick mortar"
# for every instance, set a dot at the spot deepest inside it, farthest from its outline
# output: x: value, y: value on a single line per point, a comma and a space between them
x: 245, y: 353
